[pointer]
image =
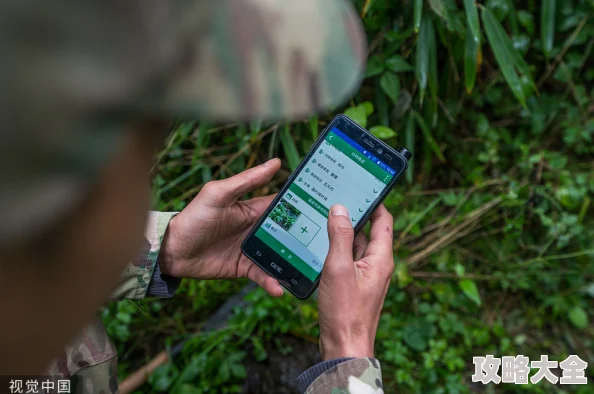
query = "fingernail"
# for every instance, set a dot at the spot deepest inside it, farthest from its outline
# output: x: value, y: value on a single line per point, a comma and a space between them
x: 339, y: 210
x: 269, y: 162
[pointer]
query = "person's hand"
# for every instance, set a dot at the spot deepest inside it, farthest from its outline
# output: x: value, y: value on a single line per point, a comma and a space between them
x: 204, y: 240
x: 354, y: 283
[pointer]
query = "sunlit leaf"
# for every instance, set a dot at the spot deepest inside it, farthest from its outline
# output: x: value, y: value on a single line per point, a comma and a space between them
x: 357, y: 115
x: 470, y: 290
x: 579, y: 317
x: 383, y: 132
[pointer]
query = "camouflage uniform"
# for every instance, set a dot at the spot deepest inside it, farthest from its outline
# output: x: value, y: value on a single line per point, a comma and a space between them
x: 76, y: 74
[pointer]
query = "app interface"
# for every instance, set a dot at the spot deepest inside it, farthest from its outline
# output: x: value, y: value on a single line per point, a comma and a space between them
x: 339, y: 172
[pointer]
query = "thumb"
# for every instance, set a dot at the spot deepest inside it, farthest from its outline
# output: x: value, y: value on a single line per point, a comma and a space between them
x: 341, y: 235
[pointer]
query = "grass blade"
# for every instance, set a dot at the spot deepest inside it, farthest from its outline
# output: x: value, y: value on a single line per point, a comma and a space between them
x: 547, y: 26
x: 497, y: 37
x: 390, y: 84
x: 418, y: 12
x: 472, y: 19
x: 428, y: 136
x: 470, y: 61
x: 289, y: 147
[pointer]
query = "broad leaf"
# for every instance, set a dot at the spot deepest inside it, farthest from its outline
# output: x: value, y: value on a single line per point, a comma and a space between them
x: 398, y: 64
x: 390, y: 85
x: 578, y: 316
x: 470, y: 290
x: 382, y: 132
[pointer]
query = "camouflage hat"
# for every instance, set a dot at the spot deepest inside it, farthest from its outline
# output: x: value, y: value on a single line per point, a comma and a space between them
x: 74, y: 72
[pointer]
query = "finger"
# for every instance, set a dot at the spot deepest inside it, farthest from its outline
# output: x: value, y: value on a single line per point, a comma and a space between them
x: 231, y: 189
x: 381, y: 234
x: 265, y: 281
x: 341, y: 235
x: 359, y: 245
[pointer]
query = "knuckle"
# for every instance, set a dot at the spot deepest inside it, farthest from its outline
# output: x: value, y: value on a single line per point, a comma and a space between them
x: 343, y: 231
x: 210, y: 187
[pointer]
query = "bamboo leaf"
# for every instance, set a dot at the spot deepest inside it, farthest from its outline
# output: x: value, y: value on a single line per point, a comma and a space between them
x: 289, y: 147
x: 418, y: 12
x: 314, y: 127
x: 423, y: 51
x: 428, y: 136
x: 383, y: 132
x: 398, y: 64
x: 374, y: 67
x: 497, y: 40
x: 390, y: 85
x: 409, y: 142
x: 447, y: 10
x: 470, y: 61
x: 472, y: 19
x: 547, y: 26
x: 432, y: 77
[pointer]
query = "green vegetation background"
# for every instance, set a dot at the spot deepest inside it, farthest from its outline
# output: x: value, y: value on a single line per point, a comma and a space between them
x: 494, y: 232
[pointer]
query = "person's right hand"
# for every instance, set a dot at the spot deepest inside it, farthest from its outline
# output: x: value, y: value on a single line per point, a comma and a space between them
x: 354, y: 283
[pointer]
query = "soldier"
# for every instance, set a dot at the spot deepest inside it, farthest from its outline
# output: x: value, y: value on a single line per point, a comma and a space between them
x: 88, y: 89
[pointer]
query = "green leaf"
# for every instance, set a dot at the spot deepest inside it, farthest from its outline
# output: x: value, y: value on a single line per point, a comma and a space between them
x: 367, y: 107
x: 357, y: 115
x: 409, y: 141
x: 375, y: 66
x: 470, y: 290
x: 500, y: 43
x: 426, y: 34
x: 418, y: 12
x: 472, y: 19
x: 470, y: 62
x: 390, y: 84
x: 383, y: 132
x: 432, y: 78
x: 289, y: 147
x: 578, y: 316
x: 428, y: 136
x: 547, y: 26
x: 527, y: 21
x: 447, y: 10
x: 397, y: 64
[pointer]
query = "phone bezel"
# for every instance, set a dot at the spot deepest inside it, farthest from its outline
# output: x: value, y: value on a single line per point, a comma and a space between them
x: 355, y: 132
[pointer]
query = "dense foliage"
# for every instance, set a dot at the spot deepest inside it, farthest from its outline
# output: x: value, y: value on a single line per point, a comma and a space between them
x: 494, y: 232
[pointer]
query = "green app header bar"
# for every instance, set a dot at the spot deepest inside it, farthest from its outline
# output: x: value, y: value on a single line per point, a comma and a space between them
x: 358, y: 158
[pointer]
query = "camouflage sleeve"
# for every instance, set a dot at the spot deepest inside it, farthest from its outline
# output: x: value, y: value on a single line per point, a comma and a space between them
x: 354, y: 376
x: 137, y: 275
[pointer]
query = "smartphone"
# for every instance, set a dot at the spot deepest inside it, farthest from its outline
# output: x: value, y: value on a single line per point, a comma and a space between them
x: 347, y: 165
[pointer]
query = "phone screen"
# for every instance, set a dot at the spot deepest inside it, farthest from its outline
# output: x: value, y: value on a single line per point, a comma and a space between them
x: 340, y: 171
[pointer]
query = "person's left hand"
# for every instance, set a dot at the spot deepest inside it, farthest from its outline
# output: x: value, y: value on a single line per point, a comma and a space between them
x: 204, y: 240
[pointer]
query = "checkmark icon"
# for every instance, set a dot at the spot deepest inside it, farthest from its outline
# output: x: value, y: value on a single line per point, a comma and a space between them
x: 375, y: 191
x: 360, y: 210
x: 366, y: 200
x: 352, y: 219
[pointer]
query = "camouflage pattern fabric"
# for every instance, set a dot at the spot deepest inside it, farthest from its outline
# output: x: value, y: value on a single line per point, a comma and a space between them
x: 92, y: 358
x: 91, y: 355
x: 358, y: 376
x: 75, y: 75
